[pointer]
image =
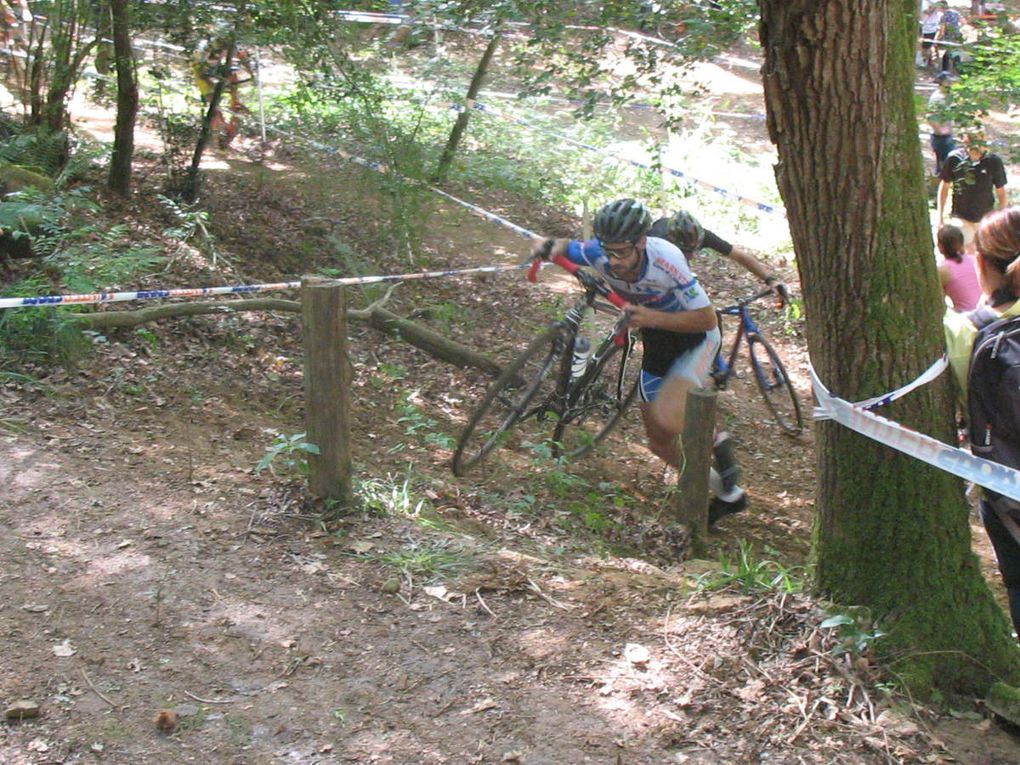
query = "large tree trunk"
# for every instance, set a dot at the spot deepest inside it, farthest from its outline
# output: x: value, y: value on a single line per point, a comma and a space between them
x: 891, y: 533
x: 127, y: 99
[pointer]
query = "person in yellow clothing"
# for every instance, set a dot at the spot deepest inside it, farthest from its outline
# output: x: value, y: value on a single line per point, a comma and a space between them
x: 209, y: 64
x: 998, y: 266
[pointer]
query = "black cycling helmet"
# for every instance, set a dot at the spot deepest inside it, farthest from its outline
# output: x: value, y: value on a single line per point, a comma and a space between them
x: 685, y: 232
x: 624, y: 220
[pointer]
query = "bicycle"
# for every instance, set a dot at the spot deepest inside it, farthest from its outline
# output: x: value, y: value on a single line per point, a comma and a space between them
x: 556, y: 380
x: 769, y: 372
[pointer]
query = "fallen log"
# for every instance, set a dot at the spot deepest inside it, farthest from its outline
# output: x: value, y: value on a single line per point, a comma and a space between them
x: 431, y: 342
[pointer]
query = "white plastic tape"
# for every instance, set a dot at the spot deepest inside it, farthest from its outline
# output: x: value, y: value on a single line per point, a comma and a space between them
x: 950, y: 459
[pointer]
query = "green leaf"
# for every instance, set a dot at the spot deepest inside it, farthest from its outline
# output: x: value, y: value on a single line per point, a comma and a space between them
x: 838, y: 620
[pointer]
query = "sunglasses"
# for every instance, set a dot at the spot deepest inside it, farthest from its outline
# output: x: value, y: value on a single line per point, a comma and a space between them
x: 619, y: 253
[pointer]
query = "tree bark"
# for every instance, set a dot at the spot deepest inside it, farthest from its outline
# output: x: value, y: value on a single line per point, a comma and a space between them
x: 421, y: 337
x: 450, y: 150
x: 127, y: 100
x: 891, y: 533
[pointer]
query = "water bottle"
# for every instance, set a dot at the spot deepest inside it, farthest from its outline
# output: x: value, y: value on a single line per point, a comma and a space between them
x: 582, y: 349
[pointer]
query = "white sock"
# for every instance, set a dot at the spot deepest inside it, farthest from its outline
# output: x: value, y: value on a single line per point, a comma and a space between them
x: 715, y: 486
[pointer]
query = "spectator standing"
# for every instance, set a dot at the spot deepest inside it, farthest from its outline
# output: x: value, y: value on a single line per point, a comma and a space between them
x: 957, y: 270
x: 978, y: 180
x: 940, y: 121
x: 931, y: 18
x: 950, y: 31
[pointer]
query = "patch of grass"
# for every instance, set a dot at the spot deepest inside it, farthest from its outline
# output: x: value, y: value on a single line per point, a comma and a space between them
x: 430, y: 560
x: 390, y: 496
x: 751, y: 575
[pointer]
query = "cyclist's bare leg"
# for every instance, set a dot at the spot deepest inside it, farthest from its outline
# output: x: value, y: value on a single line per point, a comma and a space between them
x: 664, y: 418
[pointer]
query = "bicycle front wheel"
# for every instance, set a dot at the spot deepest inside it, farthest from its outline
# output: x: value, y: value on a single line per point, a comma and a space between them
x: 525, y: 389
x: 597, y: 405
x: 774, y: 384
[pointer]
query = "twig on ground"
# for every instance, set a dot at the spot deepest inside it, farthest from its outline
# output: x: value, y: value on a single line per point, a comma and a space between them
x: 96, y: 690
x: 484, y: 605
x: 551, y: 601
x: 191, y: 695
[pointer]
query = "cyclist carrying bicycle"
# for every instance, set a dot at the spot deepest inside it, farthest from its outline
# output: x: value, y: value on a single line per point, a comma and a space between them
x: 684, y: 230
x: 678, y: 327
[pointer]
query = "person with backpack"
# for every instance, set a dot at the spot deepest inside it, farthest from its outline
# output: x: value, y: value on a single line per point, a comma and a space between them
x: 984, y: 353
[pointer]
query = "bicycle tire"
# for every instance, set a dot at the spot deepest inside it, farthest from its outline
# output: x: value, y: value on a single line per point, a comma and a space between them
x: 534, y: 375
x: 596, y: 409
x: 774, y: 384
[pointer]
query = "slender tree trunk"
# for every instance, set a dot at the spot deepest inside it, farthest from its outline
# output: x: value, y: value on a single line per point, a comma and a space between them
x: 127, y: 99
x: 462, y: 119
x: 891, y: 533
x: 191, y: 181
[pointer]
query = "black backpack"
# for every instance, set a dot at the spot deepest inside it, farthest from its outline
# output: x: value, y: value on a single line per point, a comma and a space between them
x: 993, y: 388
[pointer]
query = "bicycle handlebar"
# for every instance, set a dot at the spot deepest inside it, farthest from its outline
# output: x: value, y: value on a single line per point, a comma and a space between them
x: 743, y: 302
x: 575, y: 270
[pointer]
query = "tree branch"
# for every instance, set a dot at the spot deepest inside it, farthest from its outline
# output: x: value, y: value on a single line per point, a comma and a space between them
x: 378, y: 317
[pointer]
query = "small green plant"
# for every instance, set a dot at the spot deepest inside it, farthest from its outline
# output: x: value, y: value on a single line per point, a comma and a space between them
x: 192, y: 225
x: 751, y: 575
x: 562, y: 484
x: 855, y: 637
x: 288, y: 452
x: 387, y: 374
x: 417, y: 423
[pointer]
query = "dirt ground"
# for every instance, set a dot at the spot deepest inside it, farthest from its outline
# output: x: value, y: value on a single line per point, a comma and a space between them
x: 164, y: 602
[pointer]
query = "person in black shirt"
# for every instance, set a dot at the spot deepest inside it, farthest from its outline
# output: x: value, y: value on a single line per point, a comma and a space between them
x: 978, y: 179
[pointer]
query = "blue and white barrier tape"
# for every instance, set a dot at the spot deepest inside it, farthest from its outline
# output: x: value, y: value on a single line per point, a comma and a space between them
x: 940, y: 366
x: 950, y: 459
x: 240, y: 289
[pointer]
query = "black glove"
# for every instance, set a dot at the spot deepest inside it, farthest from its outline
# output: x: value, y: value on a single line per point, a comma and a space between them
x: 544, y: 250
x: 781, y: 290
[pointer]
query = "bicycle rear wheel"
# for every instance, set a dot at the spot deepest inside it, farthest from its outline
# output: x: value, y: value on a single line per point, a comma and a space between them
x: 526, y: 388
x: 774, y: 384
x: 596, y: 408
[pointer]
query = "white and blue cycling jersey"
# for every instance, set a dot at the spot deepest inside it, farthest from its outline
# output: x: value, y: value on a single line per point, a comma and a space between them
x: 665, y: 283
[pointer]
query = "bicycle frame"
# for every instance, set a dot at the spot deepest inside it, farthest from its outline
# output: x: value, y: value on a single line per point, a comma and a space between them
x: 723, y: 370
x: 569, y: 387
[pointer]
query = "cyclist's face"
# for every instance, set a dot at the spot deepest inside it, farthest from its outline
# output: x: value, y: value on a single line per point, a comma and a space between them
x: 624, y: 257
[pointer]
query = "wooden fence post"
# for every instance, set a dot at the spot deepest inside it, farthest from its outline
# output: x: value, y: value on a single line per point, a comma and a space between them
x: 699, y: 429
x: 327, y: 388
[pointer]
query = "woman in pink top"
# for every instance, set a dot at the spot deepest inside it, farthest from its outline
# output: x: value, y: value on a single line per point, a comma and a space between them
x: 957, y: 271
